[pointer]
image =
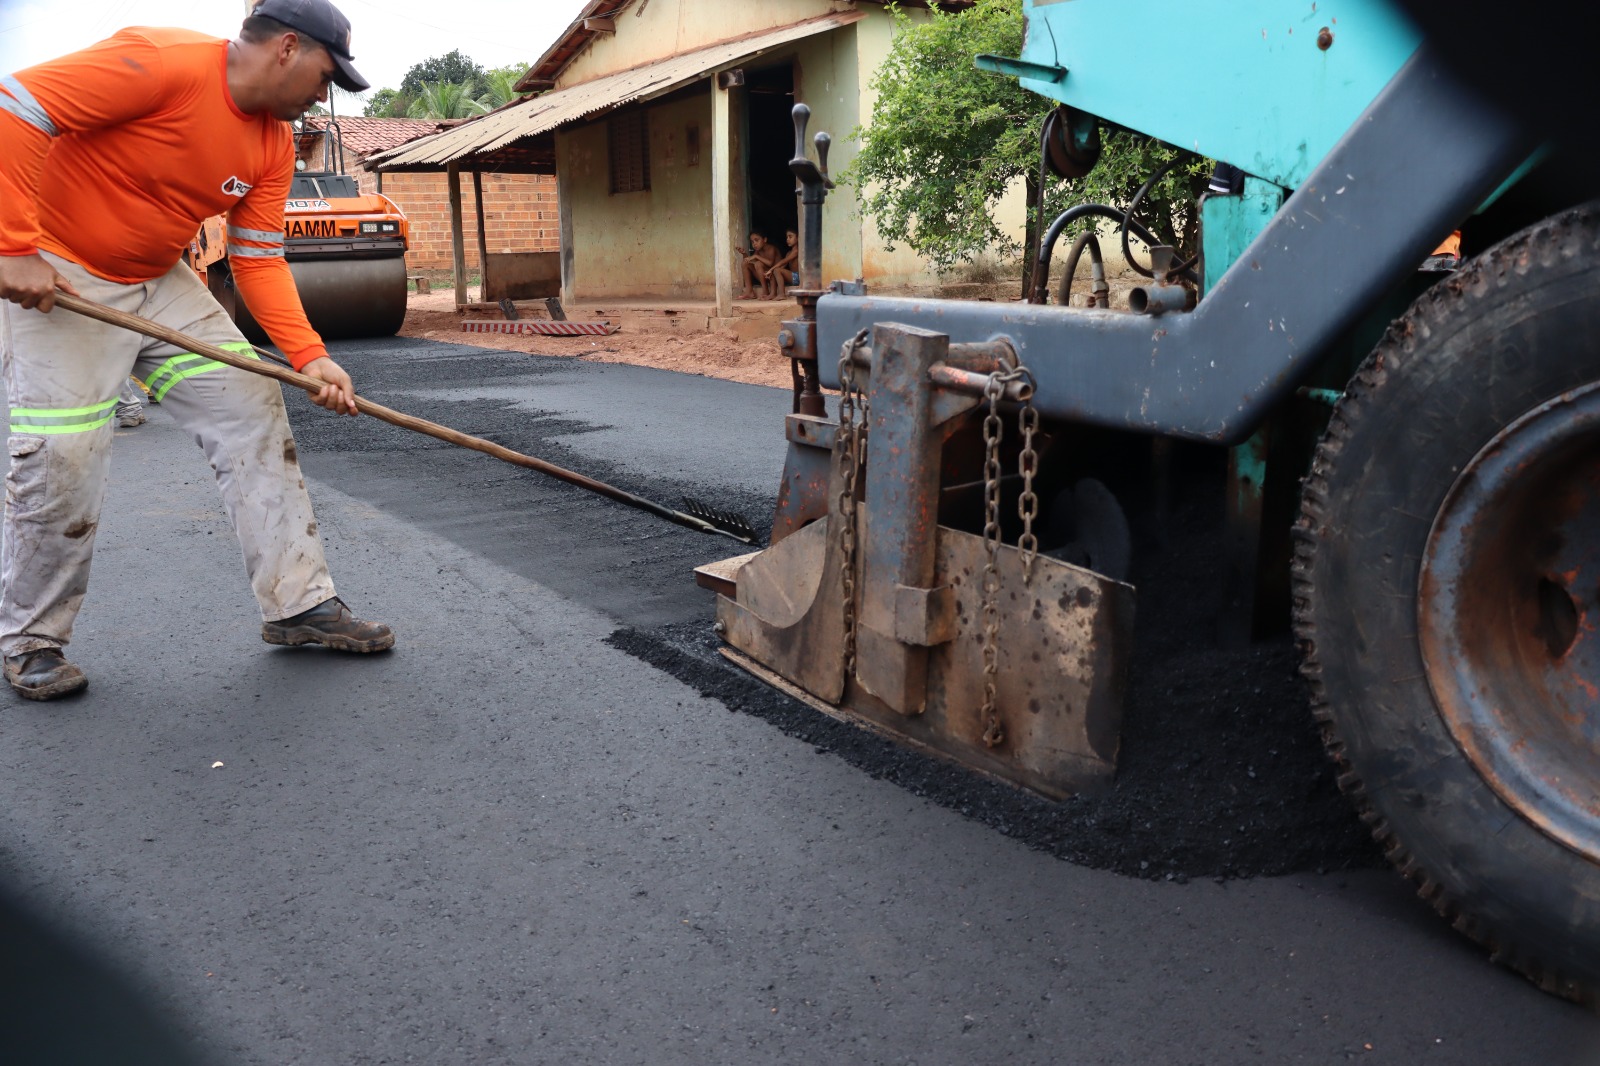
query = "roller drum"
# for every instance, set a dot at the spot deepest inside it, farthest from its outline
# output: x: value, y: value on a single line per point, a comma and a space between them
x: 344, y: 297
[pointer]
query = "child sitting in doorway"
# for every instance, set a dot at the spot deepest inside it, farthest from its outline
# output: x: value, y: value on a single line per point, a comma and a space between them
x: 757, y: 267
x: 786, y: 271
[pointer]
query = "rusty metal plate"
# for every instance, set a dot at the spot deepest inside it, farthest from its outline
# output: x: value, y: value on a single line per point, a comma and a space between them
x: 722, y: 576
x: 1065, y: 643
x: 787, y: 612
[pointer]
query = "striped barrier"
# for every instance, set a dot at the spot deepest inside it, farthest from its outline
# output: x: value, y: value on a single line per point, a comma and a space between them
x: 547, y: 329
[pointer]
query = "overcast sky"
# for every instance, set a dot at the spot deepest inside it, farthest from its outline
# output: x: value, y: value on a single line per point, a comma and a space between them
x: 388, y: 36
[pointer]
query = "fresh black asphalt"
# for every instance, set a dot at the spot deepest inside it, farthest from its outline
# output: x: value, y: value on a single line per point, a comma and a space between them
x: 514, y: 840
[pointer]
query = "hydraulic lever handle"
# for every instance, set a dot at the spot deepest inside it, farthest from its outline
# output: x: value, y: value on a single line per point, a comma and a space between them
x: 802, y: 118
x: 808, y: 172
x: 812, y: 193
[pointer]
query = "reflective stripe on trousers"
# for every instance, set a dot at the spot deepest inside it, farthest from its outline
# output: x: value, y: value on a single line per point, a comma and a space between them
x: 45, y: 420
x: 62, y: 373
x: 187, y: 365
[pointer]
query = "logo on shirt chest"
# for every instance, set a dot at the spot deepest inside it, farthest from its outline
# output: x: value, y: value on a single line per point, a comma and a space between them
x: 234, y: 187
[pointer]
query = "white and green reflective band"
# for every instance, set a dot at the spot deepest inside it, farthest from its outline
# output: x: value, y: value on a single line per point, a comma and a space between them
x: 53, y: 420
x: 188, y: 365
x: 265, y: 236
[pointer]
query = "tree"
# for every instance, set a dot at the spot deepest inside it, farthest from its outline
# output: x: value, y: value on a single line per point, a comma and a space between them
x: 946, y: 141
x: 452, y: 67
x: 444, y: 99
x: 499, y: 85
x: 388, y: 103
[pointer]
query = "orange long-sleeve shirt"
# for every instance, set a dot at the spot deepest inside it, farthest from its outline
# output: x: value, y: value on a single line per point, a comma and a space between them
x: 112, y: 156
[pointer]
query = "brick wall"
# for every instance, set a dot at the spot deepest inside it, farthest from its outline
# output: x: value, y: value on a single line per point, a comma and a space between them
x: 519, y: 215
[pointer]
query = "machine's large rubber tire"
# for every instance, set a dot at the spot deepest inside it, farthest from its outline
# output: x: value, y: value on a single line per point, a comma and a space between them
x: 1516, y: 327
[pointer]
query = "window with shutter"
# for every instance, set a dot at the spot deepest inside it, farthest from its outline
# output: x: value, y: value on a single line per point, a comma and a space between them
x: 628, y: 137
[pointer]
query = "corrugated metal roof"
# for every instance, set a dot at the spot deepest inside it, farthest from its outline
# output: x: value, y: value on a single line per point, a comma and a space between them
x: 541, y: 114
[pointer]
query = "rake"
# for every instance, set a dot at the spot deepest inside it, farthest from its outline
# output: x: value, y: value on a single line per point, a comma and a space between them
x: 701, y: 518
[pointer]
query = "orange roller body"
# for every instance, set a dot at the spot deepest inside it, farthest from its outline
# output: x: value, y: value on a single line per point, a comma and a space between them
x: 345, y: 248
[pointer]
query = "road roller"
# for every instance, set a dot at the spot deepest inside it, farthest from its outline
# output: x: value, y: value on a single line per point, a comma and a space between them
x: 1399, y: 457
x: 346, y: 249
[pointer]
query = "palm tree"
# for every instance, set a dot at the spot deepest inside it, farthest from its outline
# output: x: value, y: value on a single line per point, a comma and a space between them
x: 500, y: 87
x: 445, y: 100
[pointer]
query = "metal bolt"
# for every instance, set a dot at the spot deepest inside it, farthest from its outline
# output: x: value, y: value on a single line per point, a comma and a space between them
x: 719, y: 628
x: 785, y: 338
x: 1324, y: 38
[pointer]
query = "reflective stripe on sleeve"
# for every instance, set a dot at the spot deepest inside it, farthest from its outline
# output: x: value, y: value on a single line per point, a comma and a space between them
x: 265, y: 236
x: 53, y: 420
x: 244, y: 251
x: 22, y: 104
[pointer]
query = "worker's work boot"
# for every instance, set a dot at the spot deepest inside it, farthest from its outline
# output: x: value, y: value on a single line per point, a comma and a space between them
x: 43, y: 674
x: 130, y: 405
x: 329, y: 623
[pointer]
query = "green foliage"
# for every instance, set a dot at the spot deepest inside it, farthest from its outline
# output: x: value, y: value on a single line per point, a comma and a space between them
x: 448, y: 97
x: 946, y: 141
x: 388, y: 103
x: 453, y: 68
x: 1126, y: 162
x: 498, y: 84
x: 445, y: 99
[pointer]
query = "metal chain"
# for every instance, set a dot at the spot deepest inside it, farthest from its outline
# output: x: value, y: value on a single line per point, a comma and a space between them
x: 852, y: 416
x: 994, y: 733
x: 1027, y: 503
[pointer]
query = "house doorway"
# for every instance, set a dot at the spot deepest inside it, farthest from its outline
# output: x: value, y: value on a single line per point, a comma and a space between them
x: 769, y: 188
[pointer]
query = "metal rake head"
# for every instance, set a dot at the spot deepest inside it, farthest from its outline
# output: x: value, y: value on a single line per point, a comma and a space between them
x: 735, y: 525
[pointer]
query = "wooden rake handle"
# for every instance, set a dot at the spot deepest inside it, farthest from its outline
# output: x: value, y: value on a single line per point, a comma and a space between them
x: 90, y: 309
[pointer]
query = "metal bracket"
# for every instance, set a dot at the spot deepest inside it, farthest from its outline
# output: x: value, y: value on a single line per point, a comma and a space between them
x: 1021, y: 68
x: 925, y: 617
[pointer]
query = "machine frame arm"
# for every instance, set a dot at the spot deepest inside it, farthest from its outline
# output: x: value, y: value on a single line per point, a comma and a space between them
x: 1419, y: 160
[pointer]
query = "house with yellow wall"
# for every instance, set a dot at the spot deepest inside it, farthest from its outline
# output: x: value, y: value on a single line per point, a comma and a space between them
x: 667, y: 125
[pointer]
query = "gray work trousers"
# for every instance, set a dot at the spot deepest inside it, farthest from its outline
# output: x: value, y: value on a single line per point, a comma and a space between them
x: 62, y: 374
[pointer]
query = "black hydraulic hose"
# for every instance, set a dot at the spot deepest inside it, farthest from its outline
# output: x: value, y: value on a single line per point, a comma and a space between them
x: 1127, y: 253
x: 1086, y: 239
x: 1041, y: 272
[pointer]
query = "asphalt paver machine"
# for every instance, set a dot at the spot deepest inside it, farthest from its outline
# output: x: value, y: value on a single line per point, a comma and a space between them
x: 949, y: 560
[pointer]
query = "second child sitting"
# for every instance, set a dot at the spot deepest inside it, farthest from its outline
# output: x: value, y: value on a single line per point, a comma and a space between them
x: 786, y: 271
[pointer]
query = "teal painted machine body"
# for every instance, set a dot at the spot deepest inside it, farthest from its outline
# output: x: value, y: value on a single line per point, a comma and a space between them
x: 1244, y: 81
x: 1229, y: 223
x: 1375, y: 151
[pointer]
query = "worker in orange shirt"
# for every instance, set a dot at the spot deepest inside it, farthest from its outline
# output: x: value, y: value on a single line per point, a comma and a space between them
x: 109, y: 160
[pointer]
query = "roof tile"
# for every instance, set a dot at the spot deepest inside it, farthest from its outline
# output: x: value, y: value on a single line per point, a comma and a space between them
x: 363, y: 136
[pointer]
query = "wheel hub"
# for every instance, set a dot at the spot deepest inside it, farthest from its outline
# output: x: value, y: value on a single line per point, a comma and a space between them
x: 1509, y: 616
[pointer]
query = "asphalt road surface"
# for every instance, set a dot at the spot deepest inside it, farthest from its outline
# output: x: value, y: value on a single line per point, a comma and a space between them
x: 511, y: 841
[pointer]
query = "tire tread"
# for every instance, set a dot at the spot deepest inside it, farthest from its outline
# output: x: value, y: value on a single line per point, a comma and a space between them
x: 1476, y: 281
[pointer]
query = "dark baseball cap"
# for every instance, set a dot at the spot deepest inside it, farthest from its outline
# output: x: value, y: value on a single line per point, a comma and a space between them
x: 325, y: 24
